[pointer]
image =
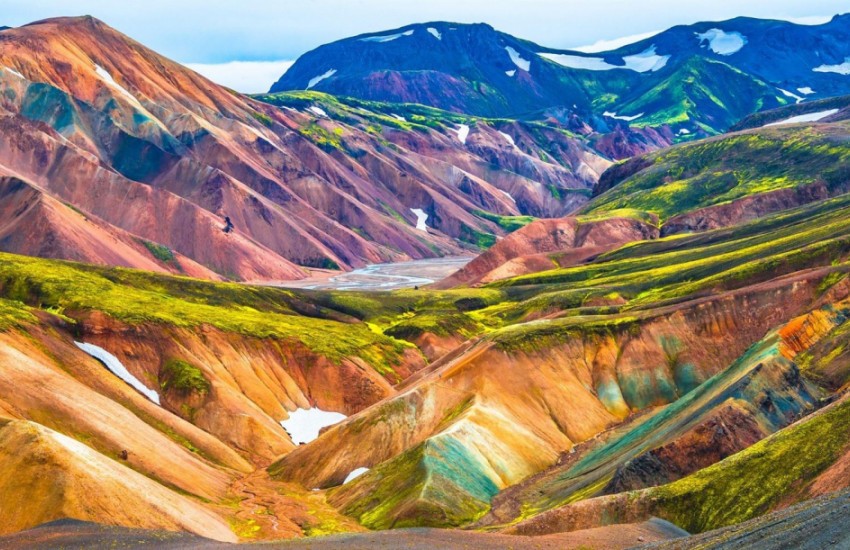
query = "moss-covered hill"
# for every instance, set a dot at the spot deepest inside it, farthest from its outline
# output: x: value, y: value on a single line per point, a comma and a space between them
x: 725, y: 170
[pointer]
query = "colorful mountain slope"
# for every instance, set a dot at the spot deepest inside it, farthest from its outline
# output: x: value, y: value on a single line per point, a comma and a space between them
x: 729, y: 179
x: 151, y: 152
x: 635, y: 329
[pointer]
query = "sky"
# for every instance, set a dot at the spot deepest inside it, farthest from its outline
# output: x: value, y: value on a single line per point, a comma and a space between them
x: 248, y: 44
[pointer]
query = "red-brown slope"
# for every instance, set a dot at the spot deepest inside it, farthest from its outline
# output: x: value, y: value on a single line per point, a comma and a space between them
x: 127, y: 136
x: 35, y: 224
x: 531, y: 248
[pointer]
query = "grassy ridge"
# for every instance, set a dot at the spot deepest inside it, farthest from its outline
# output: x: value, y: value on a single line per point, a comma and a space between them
x: 137, y: 297
x: 720, y: 170
x: 754, y: 481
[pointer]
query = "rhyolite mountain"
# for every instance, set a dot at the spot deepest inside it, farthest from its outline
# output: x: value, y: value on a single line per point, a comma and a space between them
x: 699, y: 78
x: 672, y: 357
x: 700, y: 378
x: 113, y: 154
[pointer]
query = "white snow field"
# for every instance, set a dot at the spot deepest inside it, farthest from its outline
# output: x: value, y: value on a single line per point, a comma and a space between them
x: 811, y: 117
x: 805, y: 90
x: 579, y: 62
x: 622, y: 117
x: 115, y: 367
x: 14, y: 72
x: 722, y: 42
x: 421, y: 218
x: 508, y: 138
x: 318, y: 111
x: 316, y: 79
x: 793, y: 96
x: 463, y: 133
x: 386, y: 37
x: 842, y: 68
x: 355, y: 474
x: 515, y: 56
x: 646, y: 61
x: 303, y: 425
x: 435, y: 33
x: 102, y: 73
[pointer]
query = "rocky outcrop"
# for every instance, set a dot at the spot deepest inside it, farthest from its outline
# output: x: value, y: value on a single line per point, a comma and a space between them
x: 730, y: 429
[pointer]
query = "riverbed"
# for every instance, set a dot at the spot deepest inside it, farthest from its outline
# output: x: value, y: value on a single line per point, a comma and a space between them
x: 385, y: 276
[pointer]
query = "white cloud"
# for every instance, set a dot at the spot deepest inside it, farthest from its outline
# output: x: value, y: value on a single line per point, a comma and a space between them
x: 247, y: 77
x: 809, y: 20
x: 615, y: 43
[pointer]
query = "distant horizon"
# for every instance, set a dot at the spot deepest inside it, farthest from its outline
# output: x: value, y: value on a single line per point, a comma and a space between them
x: 249, y: 47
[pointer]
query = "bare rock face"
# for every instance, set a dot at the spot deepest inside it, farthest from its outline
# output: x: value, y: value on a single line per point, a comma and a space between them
x: 723, y: 433
x: 533, y: 248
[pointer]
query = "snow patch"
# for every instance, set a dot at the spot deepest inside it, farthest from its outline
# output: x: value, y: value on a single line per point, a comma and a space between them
x: 303, y: 425
x: 421, y: 218
x: 622, y: 117
x: 842, y: 68
x: 811, y: 117
x: 14, y: 72
x: 386, y: 37
x: 806, y: 90
x: 684, y: 132
x: 462, y: 133
x: 316, y: 79
x: 115, y: 367
x: 399, y: 117
x: 646, y: 61
x: 722, y: 42
x: 579, y: 62
x: 523, y: 64
x: 102, y: 73
x: 508, y: 138
x: 508, y: 195
x: 435, y: 33
x: 318, y: 111
x: 355, y: 474
x: 510, y: 73
x: 793, y: 96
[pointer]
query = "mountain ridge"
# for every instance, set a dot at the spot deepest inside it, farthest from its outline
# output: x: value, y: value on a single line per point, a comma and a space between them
x: 488, y: 72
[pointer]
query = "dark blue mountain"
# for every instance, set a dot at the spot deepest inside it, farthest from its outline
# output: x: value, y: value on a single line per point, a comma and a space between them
x: 698, y: 78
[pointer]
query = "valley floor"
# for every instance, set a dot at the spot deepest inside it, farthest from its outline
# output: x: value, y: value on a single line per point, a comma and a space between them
x: 392, y: 276
x: 71, y: 534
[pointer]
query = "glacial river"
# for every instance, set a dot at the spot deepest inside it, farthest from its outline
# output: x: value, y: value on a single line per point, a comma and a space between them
x: 386, y: 276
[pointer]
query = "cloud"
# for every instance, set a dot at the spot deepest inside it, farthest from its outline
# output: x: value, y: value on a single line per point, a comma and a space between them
x: 614, y: 43
x: 248, y: 77
x: 810, y: 20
